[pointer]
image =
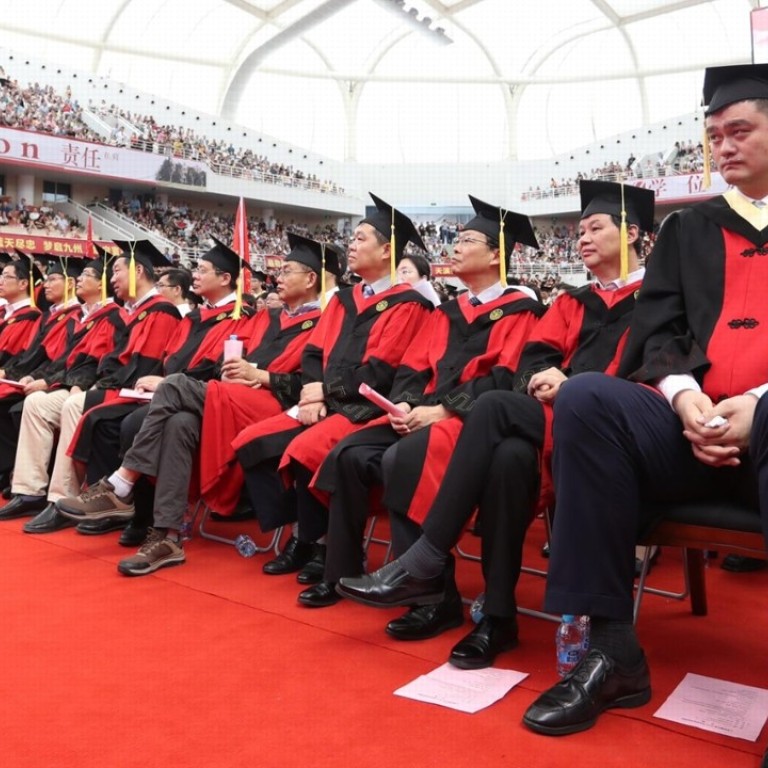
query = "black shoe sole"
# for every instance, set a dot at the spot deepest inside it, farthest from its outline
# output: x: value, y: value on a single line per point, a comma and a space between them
x: 433, y: 599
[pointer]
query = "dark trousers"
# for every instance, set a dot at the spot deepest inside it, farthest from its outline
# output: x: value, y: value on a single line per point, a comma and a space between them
x: 166, y: 445
x: 617, y: 445
x: 494, y: 467
x: 273, y: 503
x: 10, y: 419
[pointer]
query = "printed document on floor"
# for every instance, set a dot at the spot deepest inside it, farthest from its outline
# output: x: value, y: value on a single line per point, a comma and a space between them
x: 465, y: 690
x: 718, y: 706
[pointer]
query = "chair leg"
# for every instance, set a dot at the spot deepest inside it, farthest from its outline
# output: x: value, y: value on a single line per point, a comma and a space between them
x: 694, y: 567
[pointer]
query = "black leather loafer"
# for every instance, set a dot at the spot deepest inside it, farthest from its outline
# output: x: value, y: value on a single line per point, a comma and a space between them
x: 48, y: 521
x: 321, y: 595
x: 312, y: 572
x: 392, y: 585
x: 293, y: 558
x: 742, y: 563
x: 484, y: 643
x: 133, y: 535
x: 19, y: 506
x: 101, y: 526
x: 596, y: 684
x: 424, y: 621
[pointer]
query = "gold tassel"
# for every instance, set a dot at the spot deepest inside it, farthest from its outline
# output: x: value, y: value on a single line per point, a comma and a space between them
x: 104, y: 283
x: 707, y: 181
x: 63, y: 263
x: 623, y: 234
x: 322, y: 277
x: 238, y: 310
x: 32, y: 301
x: 132, y: 275
x: 392, y: 257
x: 502, y: 252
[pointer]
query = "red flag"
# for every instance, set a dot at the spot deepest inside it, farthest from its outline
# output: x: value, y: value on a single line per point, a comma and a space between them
x: 240, y: 244
x: 90, y: 251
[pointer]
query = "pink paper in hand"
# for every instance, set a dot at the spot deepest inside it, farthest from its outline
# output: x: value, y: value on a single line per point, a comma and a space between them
x: 381, y: 401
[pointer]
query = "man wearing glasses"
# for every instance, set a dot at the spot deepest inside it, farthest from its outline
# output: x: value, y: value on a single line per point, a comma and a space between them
x: 19, y: 319
x: 174, y: 284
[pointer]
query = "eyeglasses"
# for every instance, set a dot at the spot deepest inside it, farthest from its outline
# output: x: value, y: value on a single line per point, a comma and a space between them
x: 203, y: 272
x: 165, y: 285
x: 463, y: 240
x: 3, y: 276
x: 285, y: 271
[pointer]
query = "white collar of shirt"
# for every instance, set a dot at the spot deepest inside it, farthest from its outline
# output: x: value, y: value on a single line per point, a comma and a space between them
x: 752, y: 200
x: 615, y: 285
x: 11, y: 309
x: 87, y: 311
x: 232, y: 297
x: 59, y: 307
x: 183, y: 309
x: 489, y: 294
x: 132, y: 306
x: 381, y: 285
x: 302, y: 309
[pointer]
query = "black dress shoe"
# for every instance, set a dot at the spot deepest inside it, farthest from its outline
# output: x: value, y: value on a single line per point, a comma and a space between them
x: 312, y: 572
x: 479, y: 649
x: 393, y: 585
x: 424, y: 621
x: 20, y: 506
x: 133, y: 534
x: 596, y: 684
x: 293, y: 558
x: 320, y: 595
x: 48, y: 521
x: 101, y: 526
x: 742, y: 563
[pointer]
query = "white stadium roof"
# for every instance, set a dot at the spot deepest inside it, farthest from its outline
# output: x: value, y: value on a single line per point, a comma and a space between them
x: 366, y: 80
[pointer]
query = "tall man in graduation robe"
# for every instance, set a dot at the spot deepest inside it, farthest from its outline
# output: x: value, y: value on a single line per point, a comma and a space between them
x: 470, y: 345
x: 167, y: 442
x: 361, y: 338
x: 697, y: 346
x: 501, y: 460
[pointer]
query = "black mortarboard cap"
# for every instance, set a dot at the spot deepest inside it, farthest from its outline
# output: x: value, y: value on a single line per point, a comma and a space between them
x: 26, y: 265
x: 310, y: 253
x: 727, y: 85
x: 58, y: 265
x: 405, y: 231
x: 144, y: 252
x: 605, y: 197
x: 488, y: 218
x: 224, y: 258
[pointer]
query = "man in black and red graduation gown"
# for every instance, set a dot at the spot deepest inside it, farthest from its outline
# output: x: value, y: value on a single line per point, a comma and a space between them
x: 361, y: 338
x: 53, y: 338
x: 251, y: 388
x: 194, y: 348
x: 501, y: 461
x: 469, y: 346
x: 149, y: 322
x: 19, y: 317
x: 694, y: 427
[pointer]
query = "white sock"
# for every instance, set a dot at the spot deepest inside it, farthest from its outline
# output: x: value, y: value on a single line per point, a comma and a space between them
x: 123, y: 488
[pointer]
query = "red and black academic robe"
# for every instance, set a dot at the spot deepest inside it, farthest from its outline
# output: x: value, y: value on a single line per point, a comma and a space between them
x: 464, y: 351
x: 195, y: 349
x: 702, y: 309
x: 358, y: 340
x: 68, y: 328
x: 50, y: 342
x: 584, y: 330
x: 276, y: 346
x: 17, y: 332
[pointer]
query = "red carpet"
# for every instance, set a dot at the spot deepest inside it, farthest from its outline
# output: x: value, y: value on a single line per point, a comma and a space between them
x: 214, y: 664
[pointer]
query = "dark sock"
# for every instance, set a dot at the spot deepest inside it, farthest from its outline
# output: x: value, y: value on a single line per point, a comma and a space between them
x: 423, y: 560
x: 617, y: 639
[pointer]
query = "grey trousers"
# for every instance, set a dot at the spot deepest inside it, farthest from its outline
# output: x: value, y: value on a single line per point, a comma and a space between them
x: 166, y: 445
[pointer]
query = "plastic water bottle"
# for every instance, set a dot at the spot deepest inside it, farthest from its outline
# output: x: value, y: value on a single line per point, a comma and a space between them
x: 185, y: 532
x: 476, y: 609
x: 245, y: 545
x: 572, y: 642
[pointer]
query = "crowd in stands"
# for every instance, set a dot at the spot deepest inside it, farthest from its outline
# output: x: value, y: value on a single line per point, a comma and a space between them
x: 687, y: 158
x: 41, y: 108
x: 43, y: 219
